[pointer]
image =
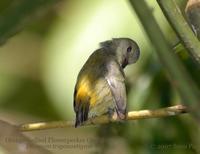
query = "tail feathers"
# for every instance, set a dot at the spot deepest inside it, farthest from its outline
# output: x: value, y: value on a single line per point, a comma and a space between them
x: 82, y: 114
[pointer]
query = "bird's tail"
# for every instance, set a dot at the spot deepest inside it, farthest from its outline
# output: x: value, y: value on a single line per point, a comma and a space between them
x: 82, y: 114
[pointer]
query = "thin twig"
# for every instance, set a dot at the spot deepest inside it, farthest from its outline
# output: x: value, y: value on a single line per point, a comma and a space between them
x: 132, y: 115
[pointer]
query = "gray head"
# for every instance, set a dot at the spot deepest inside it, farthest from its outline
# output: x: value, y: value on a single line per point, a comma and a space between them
x: 126, y: 50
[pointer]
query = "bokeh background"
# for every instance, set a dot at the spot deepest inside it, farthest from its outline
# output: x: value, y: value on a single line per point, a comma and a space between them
x: 40, y: 63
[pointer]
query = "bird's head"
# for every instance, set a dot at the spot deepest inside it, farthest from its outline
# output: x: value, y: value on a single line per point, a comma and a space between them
x: 126, y: 50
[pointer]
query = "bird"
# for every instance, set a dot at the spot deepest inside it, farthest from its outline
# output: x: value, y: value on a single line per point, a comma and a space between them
x: 100, y: 87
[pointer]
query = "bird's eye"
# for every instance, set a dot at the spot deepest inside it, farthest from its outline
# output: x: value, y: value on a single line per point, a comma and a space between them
x: 129, y: 49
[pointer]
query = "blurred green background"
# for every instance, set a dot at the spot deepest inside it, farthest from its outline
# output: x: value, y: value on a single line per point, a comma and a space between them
x: 39, y: 66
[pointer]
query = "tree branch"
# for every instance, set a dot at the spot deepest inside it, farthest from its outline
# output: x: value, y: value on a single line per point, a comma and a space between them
x: 132, y: 115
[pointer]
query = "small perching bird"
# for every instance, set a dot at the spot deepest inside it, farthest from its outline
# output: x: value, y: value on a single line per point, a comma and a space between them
x: 100, y: 87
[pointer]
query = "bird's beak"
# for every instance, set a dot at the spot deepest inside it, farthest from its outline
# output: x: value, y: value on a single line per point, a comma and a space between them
x: 124, y: 63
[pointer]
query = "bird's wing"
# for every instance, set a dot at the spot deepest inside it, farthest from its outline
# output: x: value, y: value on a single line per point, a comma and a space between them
x: 116, y: 80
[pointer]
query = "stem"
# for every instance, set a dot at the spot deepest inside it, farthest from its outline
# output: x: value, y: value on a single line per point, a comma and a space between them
x: 178, y: 74
x: 132, y: 115
x: 182, y: 29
